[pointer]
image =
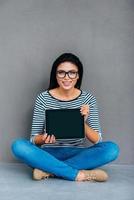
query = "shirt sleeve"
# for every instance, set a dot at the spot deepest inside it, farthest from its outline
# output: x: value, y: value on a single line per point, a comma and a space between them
x: 93, y: 118
x: 38, y: 118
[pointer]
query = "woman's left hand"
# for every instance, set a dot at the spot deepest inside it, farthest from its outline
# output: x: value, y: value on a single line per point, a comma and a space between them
x: 84, y: 110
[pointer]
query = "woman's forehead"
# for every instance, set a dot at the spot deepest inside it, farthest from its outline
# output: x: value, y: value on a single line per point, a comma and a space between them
x: 67, y: 66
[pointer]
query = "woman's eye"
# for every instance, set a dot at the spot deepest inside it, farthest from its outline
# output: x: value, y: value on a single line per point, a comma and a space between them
x: 61, y: 72
x: 72, y: 72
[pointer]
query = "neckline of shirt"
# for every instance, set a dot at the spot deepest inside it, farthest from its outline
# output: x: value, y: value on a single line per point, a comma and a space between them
x: 65, y: 100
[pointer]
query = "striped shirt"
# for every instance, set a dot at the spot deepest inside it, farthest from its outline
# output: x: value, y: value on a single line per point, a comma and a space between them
x: 46, y: 101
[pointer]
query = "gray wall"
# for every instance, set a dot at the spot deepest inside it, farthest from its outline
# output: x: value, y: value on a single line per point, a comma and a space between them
x: 33, y: 33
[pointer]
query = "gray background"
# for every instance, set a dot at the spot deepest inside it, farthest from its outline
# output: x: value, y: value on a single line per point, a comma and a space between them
x: 33, y: 33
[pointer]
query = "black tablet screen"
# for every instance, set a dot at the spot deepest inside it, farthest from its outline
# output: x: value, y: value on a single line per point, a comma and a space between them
x: 65, y: 123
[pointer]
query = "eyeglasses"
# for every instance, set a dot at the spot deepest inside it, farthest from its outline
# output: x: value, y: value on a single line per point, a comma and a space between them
x: 71, y: 74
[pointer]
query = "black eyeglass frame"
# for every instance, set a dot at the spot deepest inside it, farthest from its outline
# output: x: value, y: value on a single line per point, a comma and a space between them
x: 76, y: 73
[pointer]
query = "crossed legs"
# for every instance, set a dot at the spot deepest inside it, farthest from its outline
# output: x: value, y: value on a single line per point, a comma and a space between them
x: 65, y: 162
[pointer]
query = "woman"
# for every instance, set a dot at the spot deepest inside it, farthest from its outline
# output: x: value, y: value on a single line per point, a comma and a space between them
x: 75, y: 159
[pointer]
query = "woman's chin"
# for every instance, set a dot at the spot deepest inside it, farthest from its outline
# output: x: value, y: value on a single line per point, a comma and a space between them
x: 66, y: 87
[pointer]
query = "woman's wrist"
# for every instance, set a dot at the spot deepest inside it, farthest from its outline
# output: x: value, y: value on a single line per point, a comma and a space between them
x: 38, y: 139
x: 91, y: 134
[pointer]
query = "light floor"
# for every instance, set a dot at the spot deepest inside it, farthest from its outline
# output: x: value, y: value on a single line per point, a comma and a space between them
x: 16, y: 184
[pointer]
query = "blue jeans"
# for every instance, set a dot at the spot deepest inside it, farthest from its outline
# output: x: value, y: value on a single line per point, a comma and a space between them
x: 65, y: 162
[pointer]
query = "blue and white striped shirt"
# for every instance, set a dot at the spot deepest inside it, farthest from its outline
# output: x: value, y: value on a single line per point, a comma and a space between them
x: 46, y: 101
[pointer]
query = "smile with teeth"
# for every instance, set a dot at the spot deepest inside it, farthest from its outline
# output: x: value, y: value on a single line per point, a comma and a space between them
x: 66, y: 83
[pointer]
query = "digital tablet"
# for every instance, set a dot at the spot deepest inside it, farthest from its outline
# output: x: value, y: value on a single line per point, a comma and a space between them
x: 65, y: 123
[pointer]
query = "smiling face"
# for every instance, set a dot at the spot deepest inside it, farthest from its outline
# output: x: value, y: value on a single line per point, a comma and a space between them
x: 64, y: 80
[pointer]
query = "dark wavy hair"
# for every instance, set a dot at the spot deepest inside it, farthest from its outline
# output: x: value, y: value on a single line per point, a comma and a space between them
x: 65, y: 57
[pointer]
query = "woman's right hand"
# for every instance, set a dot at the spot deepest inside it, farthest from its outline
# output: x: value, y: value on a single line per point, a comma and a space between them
x: 44, y: 139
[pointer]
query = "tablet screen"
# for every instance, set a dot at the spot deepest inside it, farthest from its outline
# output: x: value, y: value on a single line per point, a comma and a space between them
x: 65, y: 123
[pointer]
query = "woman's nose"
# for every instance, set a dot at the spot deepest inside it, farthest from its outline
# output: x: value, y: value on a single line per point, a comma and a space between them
x: 66, y: 76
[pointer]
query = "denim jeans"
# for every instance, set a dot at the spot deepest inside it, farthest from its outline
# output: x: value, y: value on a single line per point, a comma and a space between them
x: 65, y: 162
